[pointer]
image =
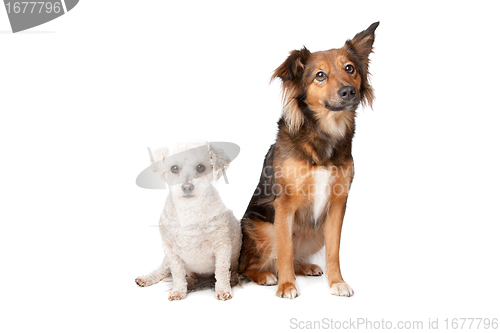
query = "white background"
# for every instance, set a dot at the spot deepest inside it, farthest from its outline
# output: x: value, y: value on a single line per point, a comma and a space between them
x: 82, y: 97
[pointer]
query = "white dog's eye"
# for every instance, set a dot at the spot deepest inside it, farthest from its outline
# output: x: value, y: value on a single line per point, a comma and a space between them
x: 175, y: 169
x: 200, y: 168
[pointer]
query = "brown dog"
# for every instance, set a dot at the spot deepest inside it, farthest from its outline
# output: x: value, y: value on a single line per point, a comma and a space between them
x: 299, y: 204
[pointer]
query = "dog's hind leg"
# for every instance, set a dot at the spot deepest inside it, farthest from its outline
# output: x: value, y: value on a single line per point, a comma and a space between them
x: 160, y: 274
x: 258, y: 252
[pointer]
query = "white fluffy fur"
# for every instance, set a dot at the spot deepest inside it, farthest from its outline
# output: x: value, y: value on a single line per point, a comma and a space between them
x: 200, y: 235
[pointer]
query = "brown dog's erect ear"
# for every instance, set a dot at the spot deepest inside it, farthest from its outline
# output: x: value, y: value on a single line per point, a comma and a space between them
x: 361, y: 47
x: 290, y: 72
x: 362, y: 43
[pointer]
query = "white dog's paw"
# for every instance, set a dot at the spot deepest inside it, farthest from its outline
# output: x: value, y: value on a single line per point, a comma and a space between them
x: 341, y: 289
x: 223, y: 295
x: 142, y: 281
x: 177, y: 295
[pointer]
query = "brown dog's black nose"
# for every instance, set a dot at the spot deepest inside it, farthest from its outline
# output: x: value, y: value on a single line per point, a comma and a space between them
x: 187, y: 188
x: 347, y: 93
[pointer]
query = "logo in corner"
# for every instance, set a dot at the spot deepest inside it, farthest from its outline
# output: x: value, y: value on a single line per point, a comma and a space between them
x: 25, y: 15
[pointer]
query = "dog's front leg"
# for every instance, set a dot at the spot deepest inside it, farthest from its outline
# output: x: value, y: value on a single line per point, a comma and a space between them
x: 223, y: 272
x: 178, y: 270
x: 283, y: 226
x: 333, y: 228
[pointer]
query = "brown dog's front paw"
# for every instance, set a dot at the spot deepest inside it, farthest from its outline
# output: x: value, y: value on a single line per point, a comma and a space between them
x: 267, y: 279
x: 223, y: 295
x: 314, y: 270
x: 262, y: 278
x: 341, y: 289
x: 177, y: 295
x: 287, y: 290
x: 309, y: 270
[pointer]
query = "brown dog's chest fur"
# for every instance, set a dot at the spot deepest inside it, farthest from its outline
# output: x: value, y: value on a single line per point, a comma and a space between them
x: 304, y: 168
x: 311, y: 166
x: 326, y: 142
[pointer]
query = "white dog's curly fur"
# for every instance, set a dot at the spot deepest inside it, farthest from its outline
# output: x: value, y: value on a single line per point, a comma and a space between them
x: 201, y: 237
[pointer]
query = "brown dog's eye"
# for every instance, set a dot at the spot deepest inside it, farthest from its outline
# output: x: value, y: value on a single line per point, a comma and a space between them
x: 349, y: 69
x: 320, y: 76
x: 175, y: 169
x: 200, y: 168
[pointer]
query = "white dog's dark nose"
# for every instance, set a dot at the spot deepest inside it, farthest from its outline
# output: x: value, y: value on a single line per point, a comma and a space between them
x: 187, y: 188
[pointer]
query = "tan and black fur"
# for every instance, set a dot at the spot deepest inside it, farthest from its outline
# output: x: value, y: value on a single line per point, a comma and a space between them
x: 299, y: 204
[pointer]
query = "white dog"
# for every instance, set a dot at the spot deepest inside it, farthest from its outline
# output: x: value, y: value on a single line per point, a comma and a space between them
x: 201, y: 237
